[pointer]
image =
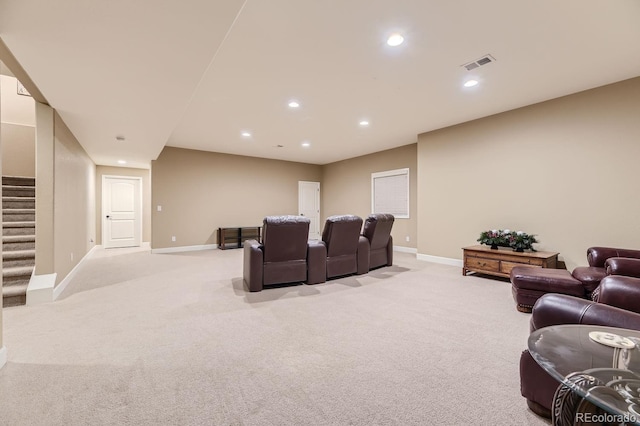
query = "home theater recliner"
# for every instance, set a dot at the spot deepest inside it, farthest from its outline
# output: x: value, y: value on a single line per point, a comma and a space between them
x: 285, y: 254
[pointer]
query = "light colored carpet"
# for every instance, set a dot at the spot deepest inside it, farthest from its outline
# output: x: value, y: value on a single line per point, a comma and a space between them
x: 147, y: 339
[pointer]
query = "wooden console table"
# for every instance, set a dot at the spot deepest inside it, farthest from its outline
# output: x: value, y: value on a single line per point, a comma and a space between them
x: 236, y: 236
x: 500, y: 262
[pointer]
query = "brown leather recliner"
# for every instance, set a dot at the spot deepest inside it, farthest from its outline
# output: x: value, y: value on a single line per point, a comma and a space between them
x: 283, y: 257
x: 377, y: 230
x: 590, y: 276
x: 617, y: 294
x: 347, y: 250
x: 528, y: 284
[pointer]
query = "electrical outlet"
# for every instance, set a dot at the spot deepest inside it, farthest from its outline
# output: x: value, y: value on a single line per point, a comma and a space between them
x: 407, y: 238
x: 173, y: 238
x: 159, y: 208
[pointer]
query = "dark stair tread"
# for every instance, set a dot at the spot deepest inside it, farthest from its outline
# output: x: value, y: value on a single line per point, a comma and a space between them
x: 17, y: 271
x: 18, y: 254
x: 16, y: 198
x: 14, y: 290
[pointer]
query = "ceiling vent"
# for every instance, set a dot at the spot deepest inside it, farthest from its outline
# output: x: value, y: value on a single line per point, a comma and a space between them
x: 487, y: 59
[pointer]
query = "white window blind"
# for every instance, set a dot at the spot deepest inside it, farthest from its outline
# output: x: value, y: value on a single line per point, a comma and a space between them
x: 390, y: 193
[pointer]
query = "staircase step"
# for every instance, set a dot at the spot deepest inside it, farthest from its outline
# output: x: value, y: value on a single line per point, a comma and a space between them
x: 18, y: 202
x: 19, y: 228
x: 18, y: 254
x: 18, y: 180
x: 15, y: 272
x: 23, y: 224
x: 18, y: 242
x: 18, y: 191
x: 14, y: 295
x: 19, y: 231
x: 18, y: 215
x: 18, y: 238
x: 23, y: 258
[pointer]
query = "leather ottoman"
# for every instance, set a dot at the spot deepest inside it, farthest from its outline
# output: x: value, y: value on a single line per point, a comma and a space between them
x: 528, y: 284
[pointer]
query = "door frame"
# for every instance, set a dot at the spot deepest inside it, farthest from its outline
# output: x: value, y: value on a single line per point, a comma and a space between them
x: 138, y: 206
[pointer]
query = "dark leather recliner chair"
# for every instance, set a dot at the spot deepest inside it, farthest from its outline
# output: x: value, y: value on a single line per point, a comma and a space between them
x: 347, y: 250
x: 283, y: 255
x: 590, y: 276
x: 528, y: 284
x: 377, y: 230
x: 536, y: 385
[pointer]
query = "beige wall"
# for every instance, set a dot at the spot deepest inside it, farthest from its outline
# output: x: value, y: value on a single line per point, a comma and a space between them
x: 18, y: 150
x: 74, y: 201
x: 45, y: 178
x: 565, y: 170
x: 346, y: 188
x: 146, y: 197
x: 202, y: 191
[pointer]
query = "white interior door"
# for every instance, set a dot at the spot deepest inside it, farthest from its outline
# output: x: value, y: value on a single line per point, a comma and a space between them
x: 121, y: 211
x: 309, y: 206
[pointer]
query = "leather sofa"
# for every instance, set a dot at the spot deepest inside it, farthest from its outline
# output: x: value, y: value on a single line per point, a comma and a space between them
x: 347, y: 252
x: 377, y: 230
x: 537, y: 386
x: 284, y: 256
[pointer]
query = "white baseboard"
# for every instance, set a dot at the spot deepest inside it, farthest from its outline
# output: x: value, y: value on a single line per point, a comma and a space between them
x: 405, y: 249
x: 442, y: 260
x: 3, y: 356
x: 184, y: 248
x: 65, y: 282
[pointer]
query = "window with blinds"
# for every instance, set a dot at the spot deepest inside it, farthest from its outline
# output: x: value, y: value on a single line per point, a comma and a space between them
x: 390, y: 193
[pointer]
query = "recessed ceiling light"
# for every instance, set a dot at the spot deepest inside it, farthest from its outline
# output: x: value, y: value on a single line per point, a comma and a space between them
x: 470, y: 83
x: 122, y: 162
x: 246, y: 134
x: 306, y: 144
x: 395, y: 40
x: 364, y: 123
x: 294, y: 104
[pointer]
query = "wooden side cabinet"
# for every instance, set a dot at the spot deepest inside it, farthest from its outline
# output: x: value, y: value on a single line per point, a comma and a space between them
x: 500, y: 262
x: 234, y: 237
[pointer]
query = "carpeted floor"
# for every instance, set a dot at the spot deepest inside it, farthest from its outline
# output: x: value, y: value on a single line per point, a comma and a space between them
x: 173, y: 339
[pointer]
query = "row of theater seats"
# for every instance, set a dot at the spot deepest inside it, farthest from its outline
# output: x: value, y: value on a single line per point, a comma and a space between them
x: 286, y: 255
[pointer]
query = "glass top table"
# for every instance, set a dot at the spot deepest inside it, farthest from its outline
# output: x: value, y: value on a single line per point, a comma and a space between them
x: 601, y: 381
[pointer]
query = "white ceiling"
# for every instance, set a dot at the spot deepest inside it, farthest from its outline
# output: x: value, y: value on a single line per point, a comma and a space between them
x: 196, y: 73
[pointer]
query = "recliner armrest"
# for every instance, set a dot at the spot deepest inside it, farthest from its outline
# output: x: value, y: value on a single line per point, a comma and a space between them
x: 253, y: 264
x: 597, y: 256
x: 363, y: 260
x: 626, y: 266
x: 622, y: 292
x: 316, y: 262
x: 555, y: 309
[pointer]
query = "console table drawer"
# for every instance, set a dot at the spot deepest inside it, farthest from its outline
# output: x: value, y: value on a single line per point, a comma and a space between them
x: 506, y: 267
x: 482, y: 264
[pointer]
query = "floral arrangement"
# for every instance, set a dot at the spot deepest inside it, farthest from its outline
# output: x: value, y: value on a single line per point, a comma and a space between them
x: 517, y: 240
